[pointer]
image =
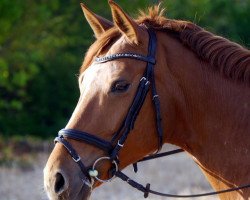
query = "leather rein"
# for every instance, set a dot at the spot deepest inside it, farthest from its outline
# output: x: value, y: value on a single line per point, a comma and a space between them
x: 113, y: 147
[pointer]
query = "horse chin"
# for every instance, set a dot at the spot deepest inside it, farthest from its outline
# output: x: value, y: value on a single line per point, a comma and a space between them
x: 80, y: 193
x: 83, y: 195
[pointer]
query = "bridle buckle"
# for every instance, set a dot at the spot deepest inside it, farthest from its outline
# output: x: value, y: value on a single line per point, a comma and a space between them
x: 76, y: 159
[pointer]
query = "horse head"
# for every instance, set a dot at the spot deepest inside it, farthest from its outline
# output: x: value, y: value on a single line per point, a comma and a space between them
x: 108, y: 88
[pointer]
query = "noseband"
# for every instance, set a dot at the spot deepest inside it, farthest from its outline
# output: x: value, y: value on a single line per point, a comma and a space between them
x: 113, y: 147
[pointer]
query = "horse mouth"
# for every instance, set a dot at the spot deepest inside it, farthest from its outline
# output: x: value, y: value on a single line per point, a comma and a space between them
x: 82, y: 195
x: 82, y: 192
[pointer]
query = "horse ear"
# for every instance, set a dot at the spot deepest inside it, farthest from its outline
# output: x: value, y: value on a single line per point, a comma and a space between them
x: 125, y: 24
x: 98, y: 24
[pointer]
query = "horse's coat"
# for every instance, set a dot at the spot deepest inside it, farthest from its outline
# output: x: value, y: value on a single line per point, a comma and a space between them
x: 203, y: 83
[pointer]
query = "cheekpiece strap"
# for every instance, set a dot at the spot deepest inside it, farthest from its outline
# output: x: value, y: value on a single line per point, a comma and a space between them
x: 73, y: 154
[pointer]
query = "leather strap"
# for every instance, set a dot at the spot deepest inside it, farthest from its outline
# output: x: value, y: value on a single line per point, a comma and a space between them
x: 86, y: 137
x: 149, y: 59
x: 74, y: 155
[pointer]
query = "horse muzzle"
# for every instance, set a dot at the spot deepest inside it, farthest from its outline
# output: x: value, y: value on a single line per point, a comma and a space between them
x: 68, y: 186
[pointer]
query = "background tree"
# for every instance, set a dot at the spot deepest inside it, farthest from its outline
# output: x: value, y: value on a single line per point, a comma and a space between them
x: 42, y: 44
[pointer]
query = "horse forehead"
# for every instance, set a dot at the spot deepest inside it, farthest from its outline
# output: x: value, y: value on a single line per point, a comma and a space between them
x: 114, y: 68
x: 122, y: 45
x: 102, y: 71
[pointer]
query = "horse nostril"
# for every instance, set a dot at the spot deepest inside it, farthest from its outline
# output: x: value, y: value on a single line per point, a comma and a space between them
x: 59, y: 183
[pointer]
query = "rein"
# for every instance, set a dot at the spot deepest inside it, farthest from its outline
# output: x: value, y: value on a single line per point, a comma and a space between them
x: 113, y: 147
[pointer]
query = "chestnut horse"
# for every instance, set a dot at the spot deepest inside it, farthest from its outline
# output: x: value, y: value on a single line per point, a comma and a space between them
x: 203, y: 85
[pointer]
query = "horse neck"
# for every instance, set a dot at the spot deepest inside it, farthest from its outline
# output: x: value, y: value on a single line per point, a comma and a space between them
x: 210, y: 116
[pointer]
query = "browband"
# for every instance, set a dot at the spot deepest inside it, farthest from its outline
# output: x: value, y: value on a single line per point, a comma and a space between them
x: 125, y: 55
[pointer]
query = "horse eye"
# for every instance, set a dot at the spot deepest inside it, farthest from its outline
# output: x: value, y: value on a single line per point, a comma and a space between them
x: 120, y: 86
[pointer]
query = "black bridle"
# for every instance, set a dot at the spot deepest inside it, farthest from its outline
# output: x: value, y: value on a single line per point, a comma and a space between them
x: 113, y: 147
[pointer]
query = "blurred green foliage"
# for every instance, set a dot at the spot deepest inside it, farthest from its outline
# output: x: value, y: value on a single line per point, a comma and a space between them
x: 42, y: 45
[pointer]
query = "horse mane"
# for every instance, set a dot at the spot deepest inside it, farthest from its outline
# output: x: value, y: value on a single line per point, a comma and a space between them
x: 226, y: 57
